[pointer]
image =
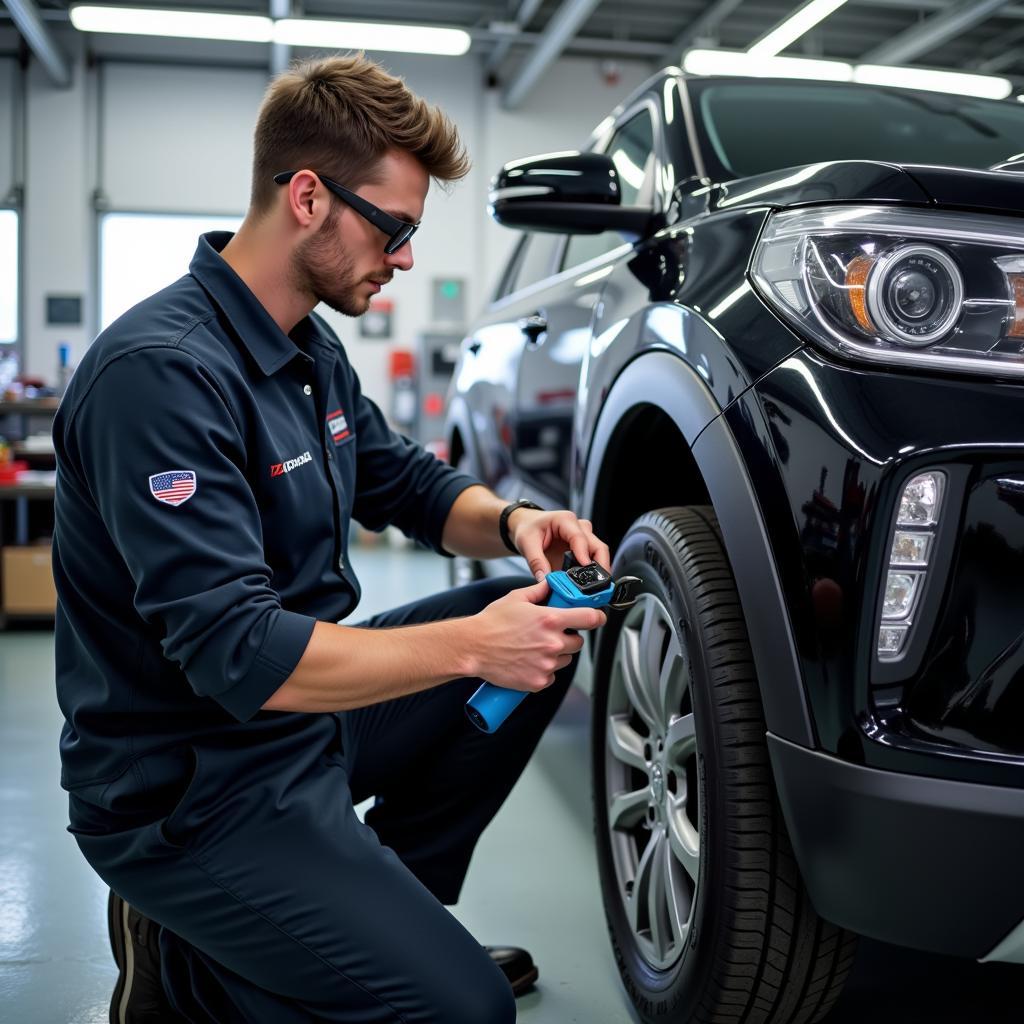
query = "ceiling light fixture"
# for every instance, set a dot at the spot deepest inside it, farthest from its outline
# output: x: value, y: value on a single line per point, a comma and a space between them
x: 801, y: 21
x: 363, y: 35
x: 340, y: 35
x: 137, y: 21
x: 739, y: 62
x: 989, y: 87
x: 750, y: 65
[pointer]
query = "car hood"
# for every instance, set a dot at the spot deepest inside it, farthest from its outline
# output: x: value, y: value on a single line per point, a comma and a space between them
x: 873, y: 181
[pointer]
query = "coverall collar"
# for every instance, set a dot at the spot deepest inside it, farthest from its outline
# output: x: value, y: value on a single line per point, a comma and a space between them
x: 257, y: 330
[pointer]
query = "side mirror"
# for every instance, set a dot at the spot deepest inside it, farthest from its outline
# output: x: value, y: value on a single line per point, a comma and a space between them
x: 570, y: 192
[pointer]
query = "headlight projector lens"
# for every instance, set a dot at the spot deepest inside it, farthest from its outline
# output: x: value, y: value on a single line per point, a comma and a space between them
x: 915, y: 293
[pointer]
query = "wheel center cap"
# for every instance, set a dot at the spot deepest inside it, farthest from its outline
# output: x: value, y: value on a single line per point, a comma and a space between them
x: 657, y: 784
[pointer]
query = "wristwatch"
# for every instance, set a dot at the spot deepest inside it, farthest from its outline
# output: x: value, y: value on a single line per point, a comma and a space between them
x: 503, y: 521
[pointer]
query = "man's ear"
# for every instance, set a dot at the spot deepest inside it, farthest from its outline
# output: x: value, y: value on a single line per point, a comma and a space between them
x: 303, y: 202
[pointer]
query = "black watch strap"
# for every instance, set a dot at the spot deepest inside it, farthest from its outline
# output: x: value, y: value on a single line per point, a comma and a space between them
x: 503, y: 521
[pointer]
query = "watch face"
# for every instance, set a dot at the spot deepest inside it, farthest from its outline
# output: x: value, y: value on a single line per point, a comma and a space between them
x: 589, y: 579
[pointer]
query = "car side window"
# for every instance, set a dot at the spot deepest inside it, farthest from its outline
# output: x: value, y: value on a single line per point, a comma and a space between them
x: 632, y: 151
x: 533, y: 260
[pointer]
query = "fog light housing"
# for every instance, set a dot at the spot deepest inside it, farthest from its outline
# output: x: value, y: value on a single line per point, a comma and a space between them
x: 913, y: 540
x: 919, y: 504
x: 900, y: 591
x: 890, y: 639
x: 910, y: 549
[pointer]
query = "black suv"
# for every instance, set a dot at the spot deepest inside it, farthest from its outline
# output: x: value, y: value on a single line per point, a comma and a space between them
x: 769, y: 337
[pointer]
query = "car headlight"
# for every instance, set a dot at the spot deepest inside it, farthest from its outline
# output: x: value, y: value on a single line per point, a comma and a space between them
x: 899, y: 285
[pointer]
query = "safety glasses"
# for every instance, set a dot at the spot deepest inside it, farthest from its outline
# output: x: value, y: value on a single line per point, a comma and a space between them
x: 398, y: 231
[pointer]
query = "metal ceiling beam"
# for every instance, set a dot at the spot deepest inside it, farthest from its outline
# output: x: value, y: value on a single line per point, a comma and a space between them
x: 527, y: 9
x: 933, y: 32
x: 700, y: 28
x: 1001, y: 61
x: 280, y: 53
x: 562, y: 27
x: 30, y: 24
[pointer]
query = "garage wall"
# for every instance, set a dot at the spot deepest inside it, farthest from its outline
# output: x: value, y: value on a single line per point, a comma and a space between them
x: 58, y: 223
x: 8, y: 86
x: 171, y: 138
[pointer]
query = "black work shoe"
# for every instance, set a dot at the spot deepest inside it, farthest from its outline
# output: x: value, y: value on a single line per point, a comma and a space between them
x: 139, y: 996
x: 517, y: 965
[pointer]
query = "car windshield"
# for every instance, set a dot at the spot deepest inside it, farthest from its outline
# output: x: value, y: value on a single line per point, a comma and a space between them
x: 749, y: 127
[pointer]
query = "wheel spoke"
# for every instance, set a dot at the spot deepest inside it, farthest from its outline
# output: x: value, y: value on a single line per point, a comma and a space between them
x: 625, y: 743
x: 657, y: 897
x: 684, y: 842
x: 675, y: 899
x: 626, y: 809
x: 641, y: 887
x: 681, y: 741
x: 629, y: 659
x: 672, y: 682
x: 652, y: 635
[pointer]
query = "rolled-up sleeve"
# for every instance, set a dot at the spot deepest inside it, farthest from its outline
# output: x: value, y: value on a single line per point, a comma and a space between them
x: 398, y: 482
x: 162, y: 452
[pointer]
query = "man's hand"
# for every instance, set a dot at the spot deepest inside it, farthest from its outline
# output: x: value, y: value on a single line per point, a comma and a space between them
x: 543, y: 538
x: 520, y: 643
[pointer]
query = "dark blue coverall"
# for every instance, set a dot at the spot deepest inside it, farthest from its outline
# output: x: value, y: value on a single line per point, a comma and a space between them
x: 208, y: 468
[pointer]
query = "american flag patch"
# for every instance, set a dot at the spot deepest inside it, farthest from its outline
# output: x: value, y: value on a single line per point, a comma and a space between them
x: 173, y: 487
x: 338, y: 425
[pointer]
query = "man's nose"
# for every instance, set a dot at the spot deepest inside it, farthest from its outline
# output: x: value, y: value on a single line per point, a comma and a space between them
x: 402, y: 259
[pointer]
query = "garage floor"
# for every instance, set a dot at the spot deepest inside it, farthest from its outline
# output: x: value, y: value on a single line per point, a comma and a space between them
x: 533, y: 880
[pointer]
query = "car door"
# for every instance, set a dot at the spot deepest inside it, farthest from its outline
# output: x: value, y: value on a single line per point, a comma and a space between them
x: 486, y: 378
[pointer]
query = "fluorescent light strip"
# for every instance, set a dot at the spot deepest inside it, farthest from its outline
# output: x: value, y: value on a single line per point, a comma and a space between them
x: 988, y: 87
x: 342, y: 35
x: 135, y: 21
x: 794, y: 27
x: 361, y: 35
x: 750, y: 65
x: 738, y: 62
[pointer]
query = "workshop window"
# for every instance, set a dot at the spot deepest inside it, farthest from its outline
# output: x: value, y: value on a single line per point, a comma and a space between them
x: 140, y: 253
x: 8, y: 277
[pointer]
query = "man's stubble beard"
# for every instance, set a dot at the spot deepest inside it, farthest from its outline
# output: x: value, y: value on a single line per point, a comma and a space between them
x: 322, y: 268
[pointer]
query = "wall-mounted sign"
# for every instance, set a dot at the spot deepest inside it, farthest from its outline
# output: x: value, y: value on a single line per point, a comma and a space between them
x: 376, y: 321
x: 448, y: 300
x: 64, y: 309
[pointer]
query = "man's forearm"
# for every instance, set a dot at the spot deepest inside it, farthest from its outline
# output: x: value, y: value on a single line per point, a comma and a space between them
x: 346, y: 667
x: 471, y: 528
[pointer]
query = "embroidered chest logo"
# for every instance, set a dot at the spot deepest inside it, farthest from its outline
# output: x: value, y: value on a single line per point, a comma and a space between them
x: 338, y: 425
x: 173, y: 487
x: 280, y: 468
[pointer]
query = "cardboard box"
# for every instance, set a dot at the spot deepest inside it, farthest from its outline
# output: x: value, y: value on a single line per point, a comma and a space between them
x: 28, y: 581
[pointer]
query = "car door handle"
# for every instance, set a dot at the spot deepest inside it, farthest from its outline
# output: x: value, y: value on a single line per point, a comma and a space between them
x: 534, y: 327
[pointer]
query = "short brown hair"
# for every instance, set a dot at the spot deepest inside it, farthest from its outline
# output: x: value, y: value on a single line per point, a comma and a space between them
x: 338, y: 116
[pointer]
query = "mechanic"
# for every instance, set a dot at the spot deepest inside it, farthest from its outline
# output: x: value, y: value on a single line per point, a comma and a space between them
x: 213, y: 447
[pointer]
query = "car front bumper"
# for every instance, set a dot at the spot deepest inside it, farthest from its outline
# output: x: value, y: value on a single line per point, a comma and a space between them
x: 929, y: 863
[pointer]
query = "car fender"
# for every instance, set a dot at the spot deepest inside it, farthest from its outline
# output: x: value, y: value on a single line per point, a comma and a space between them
x: 665, y: 380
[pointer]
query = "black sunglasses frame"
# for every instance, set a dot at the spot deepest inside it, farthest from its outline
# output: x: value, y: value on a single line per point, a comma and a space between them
x: 398, y: 231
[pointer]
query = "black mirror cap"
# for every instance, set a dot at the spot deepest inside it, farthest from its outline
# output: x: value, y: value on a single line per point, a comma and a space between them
x: 570, y: 192
x: 561, y: 177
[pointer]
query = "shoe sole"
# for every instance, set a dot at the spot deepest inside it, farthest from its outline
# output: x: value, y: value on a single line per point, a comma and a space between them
x: 124, y: 956
x: 525, y: 982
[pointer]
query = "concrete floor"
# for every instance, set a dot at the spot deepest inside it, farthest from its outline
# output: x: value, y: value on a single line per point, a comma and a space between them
x: 533, y: 880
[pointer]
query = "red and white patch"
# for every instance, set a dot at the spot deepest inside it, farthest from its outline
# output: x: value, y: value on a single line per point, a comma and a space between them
x: 280, y: 468
x: 338, y: 425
